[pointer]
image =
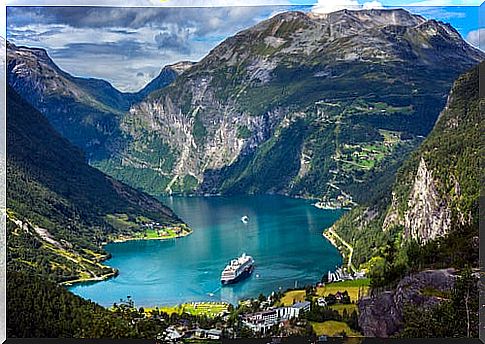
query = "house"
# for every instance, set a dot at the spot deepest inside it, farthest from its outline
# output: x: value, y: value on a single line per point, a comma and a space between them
x: 264, y: 320
x: 322, y: 302
x: 299, y: 308
x: 214, y: 334
x: 171, y: 334
x: 261, y: 321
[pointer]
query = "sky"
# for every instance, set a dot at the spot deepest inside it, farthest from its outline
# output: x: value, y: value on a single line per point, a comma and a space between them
x: 128, y: 46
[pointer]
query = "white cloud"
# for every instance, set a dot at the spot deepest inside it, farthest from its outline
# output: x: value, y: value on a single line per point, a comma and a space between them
x: 328, y: 6
x: 477, y: 38
x: 372, y: 4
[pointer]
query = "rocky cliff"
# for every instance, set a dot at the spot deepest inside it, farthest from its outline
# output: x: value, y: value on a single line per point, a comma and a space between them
x: 444, y: 191
x: 381, y: 315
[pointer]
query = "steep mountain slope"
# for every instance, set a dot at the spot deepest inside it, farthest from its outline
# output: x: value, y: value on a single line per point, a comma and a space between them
x: 323, y: 106
x: 59, y: 208
x: 166, y: 77
x: 58, y: 313
x: 85, y: 111
x: 432, y: 218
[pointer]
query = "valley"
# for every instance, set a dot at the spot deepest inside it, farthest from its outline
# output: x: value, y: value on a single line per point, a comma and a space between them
x: 352, y: 123
x: 269, y: 110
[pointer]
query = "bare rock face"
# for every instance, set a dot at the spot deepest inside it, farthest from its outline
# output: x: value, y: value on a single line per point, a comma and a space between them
x: 378, y: 316
x: 428, y: 215
x: 381, y: 315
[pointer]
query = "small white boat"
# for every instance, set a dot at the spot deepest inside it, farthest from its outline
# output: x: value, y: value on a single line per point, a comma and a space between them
x: 245, y: 219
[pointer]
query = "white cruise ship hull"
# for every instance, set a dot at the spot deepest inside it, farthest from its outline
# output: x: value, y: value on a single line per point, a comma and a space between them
x: 243, y: 275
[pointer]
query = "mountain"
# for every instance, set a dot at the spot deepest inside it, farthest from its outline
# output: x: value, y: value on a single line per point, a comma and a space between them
x: 166, y: 77
x: 59, y: 208
x: 314, y: 106
x: 432, y: 218
x: 86, y: 111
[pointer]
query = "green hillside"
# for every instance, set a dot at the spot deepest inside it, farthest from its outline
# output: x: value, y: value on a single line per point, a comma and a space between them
x: 400, y: 234
x: 58, y: 206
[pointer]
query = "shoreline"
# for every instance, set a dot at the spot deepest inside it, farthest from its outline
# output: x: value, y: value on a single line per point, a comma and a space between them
x: 106, y: 257
x: 184, y: 233
x: 308, y: 198
x: 92, y: 279
x: 330, y: 235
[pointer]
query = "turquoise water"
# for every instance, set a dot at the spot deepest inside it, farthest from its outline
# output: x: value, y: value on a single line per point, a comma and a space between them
x: 284, y: 236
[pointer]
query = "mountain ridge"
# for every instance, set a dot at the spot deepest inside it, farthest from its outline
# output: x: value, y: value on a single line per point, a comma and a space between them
x: 364, y: 86
x: 434, y: 202
x: 215, y: 119
x: 87, y: 111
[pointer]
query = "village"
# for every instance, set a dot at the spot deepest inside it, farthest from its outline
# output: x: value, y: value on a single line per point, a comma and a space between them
x: 155, y: 228
x: 312, y: 310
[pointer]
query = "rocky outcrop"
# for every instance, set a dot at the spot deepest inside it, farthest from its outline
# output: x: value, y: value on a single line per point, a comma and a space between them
x: 428, y: 215
x: 381, y: 315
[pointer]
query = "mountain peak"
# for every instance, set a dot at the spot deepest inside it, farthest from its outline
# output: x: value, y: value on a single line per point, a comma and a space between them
x: 166, y: 76
x: 29, y: 55
x: 375, y: 17
x: 181, y: 66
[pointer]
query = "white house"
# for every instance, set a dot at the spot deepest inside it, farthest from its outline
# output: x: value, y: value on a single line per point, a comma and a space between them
x: 322, y: 302
x: 171, y: 334
x: 214, y: 334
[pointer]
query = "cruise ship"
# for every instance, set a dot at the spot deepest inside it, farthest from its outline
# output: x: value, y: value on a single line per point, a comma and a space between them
x: 237, y: 269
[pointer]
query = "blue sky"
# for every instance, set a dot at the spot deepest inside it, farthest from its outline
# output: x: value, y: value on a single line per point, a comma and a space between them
x: 128, y: 46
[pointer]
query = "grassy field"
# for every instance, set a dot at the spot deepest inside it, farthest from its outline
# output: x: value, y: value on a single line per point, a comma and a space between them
x: 351, y: 286
x: 210, y: 309
x: 293, y: 296
x: 154, y: 234
x: 333, y: 328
